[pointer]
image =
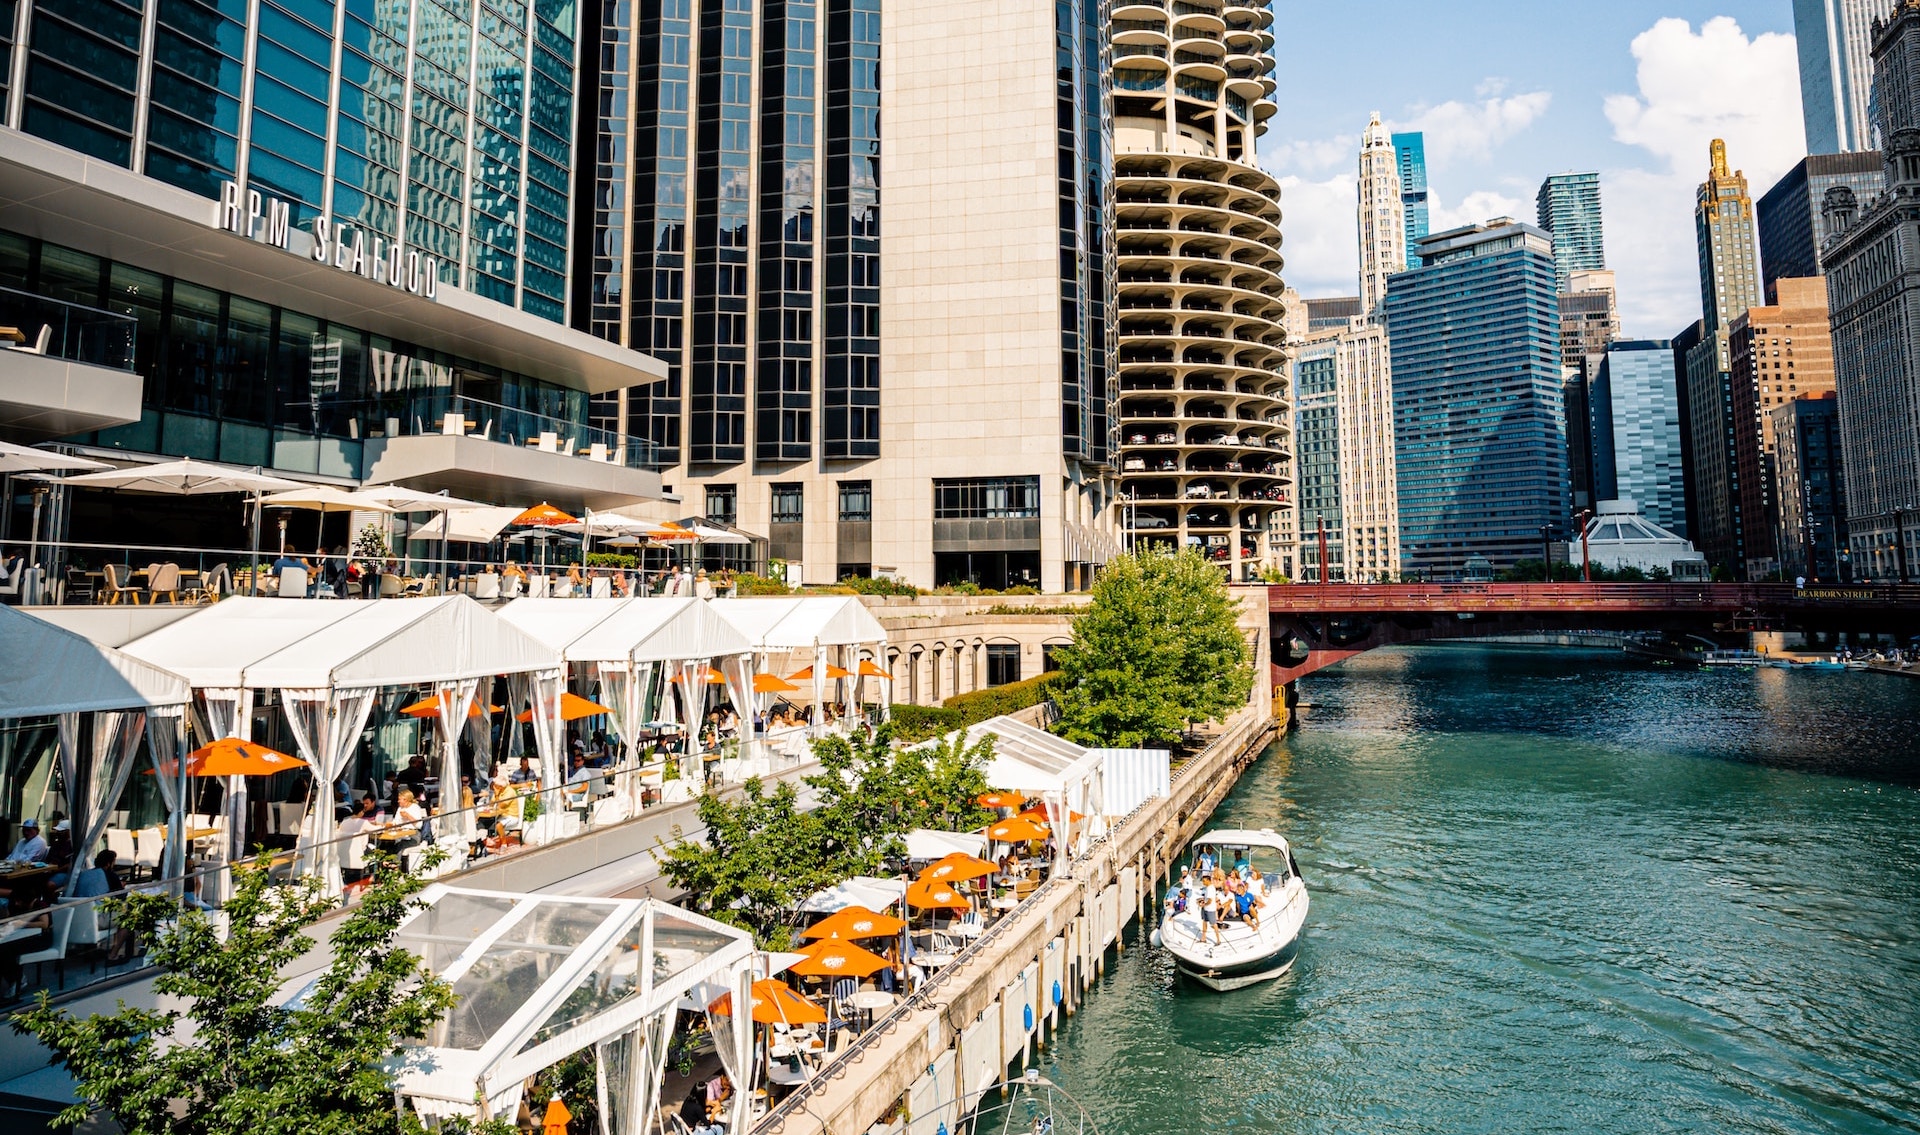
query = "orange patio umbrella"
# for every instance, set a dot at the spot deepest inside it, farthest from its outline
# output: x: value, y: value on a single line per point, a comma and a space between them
x: 926, y: 894
x: 869, y: 670
x: 772, y: 684
x: 855, y: 922
x: 1019, y: 829
x: 557, y: 1117
x: 543, y: 515
x: 668, y: 530
x: 833, y: 672
x: 430, y: 707
x: 836, y: 957
x: 573, y: 707
x: 957, y: 867
x: 1000, y: 799
x: 1038, y: 814
x: 713, y: 677
x: 775, y: 1004
x: 230, y: 756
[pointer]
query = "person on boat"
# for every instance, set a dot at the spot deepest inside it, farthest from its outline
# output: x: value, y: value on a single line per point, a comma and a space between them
x: 1240, y: 864
x: 1244, y: 904
x: 1210, y: 913
x: 1203, y: 863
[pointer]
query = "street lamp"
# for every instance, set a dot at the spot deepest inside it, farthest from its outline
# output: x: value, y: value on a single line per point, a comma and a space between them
x: 1546, y: 552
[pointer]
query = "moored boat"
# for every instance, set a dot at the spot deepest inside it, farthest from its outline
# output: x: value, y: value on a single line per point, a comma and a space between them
x: 1236, y: 951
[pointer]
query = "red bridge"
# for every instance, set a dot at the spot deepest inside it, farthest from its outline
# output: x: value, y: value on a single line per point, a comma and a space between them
x: 1315, y: 626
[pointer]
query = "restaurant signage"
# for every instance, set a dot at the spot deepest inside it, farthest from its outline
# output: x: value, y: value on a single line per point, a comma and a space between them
x: 347, y: 247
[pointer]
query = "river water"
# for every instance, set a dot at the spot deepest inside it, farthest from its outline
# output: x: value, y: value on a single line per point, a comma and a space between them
x: 1556, y: 892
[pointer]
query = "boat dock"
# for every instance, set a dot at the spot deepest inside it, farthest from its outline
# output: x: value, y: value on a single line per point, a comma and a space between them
x: 962, y: 1030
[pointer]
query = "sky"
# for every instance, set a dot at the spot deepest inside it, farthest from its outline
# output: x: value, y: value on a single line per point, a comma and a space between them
x: 1509, y: 91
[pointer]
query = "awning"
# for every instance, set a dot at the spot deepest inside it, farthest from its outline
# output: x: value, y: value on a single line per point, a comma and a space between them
x: 214, y: 646
x: 47, y: 670
x: 398, y: 642
x: 925, y: 843
x: 862, y: 890
x: 778, y: 623
x: 472, y: 525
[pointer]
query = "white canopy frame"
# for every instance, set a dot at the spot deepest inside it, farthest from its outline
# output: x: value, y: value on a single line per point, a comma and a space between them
x: 619, y: 966
x: 1067, y: 777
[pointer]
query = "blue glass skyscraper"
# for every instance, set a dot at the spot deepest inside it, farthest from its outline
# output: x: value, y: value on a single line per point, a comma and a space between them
x: 1634, y: 411
x: 1479, y: 422
x: 1411, y: 152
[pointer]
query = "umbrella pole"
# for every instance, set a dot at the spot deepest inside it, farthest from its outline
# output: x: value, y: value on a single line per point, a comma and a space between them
x: 253, y: 561
x: 445, y: 520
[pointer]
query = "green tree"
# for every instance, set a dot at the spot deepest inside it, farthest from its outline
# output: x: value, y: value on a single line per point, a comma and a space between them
x: 760, y: 857
x: 1159, y: 647
x: 233, y: 1059
x: 945, y: 779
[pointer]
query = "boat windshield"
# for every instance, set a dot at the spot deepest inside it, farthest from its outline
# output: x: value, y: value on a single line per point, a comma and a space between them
x: 1242, y: 860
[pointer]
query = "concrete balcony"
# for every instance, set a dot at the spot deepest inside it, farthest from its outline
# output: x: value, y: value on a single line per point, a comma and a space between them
x: 64, y: 368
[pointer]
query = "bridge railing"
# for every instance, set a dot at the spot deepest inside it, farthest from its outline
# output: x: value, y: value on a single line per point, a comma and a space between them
x: 1584, y: 596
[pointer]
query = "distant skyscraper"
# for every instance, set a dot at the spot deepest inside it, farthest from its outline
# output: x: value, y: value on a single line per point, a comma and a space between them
x: 1781, y: 352
x: 1634, y: 411
x: 1790, y: 215
x: 1569, y: 207
x: 1480, y: 440
x: 1382, y: 216
x: 1723, y: 227
x: 1813, y: 503
x: 1316, y: 448
x: 1835, y: 38
x: 1589, y: 317
x: 1343, y: 430
x: 1410, y: 150
x: 1873, y: 285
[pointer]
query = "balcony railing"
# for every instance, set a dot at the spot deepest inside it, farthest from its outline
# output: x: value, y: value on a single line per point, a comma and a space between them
x: 37, y: 325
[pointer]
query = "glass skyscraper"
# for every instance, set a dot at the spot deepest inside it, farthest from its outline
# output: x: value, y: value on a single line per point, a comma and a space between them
x: 1569, y: 208
x: 1410, y: 151
x: 1316, y: 418
x: 1792, y: 215
x: 1634, y: 422
x: 1480, y: 436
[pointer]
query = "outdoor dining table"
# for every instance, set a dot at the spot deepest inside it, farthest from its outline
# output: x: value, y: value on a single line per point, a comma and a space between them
x: 933, y: 958
x: 871, y: 1001
x: 1005, y: 902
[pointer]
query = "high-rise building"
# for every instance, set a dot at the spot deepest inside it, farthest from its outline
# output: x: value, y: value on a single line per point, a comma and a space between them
x: 1835, y: 40
x: 1381, y: 214
x: 1569, y: 208
x: 1792, y: 215
x: 1205, y: 421
x: 1781, y: 352
x: 1589, y: 317
x: 1634, y: 416
x: 1343, y: 420
x: 330, y: 240
x: 915, y: 380
x: 1683, y: 345
x: 1873, y: 284
x: 1729, y: 285
x: 1332, y: 314
x: 1813, y: 499
x: 1480, y: 438
x: 1410, y: 153
x: 1316, y: 434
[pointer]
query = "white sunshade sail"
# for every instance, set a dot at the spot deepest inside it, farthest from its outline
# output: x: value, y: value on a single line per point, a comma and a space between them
x: 472, y: 525
x: 325, y: 498
x: 46, y: 669
x: 869, y: 891
x: 710, y: 535
x: 779, y: 623
x: 640, y: 630
x: 402, y: 499
x: 215, y: 646
x: 405, y: 642
x: 185, y: 477
x: 925, y: 843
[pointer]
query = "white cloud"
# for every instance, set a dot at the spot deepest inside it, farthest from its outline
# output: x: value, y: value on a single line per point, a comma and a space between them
x: 1314, y: 155
x: 1458, y: 130
x: 1480, y: 205
x: 1322, y: 246
x: 1694, y: 86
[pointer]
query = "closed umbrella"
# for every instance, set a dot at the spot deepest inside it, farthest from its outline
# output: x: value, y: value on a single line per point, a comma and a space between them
x: 557, y: 1117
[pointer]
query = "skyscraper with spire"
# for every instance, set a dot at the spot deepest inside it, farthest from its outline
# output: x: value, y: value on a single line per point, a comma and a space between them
x: 1382, y: 215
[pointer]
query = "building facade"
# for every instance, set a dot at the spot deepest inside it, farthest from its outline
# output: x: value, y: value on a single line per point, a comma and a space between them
x: 1479, y: 422
x: 932, y: 401
x: 1381, y: 214
x: 1316, y: 433
x: 1835, y: 42
x: 1812, y: 533
x: 1410, y: 151
x: 327, y: 240
x: 1205, y: 414
x: 1873, y: 278
x: 1791, y: 216
x: 1343, y: 422
x: 1729, y: 285
x: 1569, y: 209
x: 1634, y: 416
x: 1589, y: 317
x: 1781, y: 353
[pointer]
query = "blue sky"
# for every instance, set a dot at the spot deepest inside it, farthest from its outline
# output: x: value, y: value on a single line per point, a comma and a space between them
x: 1508, y: 91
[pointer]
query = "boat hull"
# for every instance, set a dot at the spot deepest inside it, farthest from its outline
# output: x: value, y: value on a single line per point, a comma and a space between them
x: 1227, y: 978
x: 1247, y: 957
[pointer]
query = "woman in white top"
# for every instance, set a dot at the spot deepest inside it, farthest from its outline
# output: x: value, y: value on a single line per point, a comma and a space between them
x: 408, y: 817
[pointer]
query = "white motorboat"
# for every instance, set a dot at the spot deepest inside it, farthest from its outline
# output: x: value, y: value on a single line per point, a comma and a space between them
x: 1241, y: 952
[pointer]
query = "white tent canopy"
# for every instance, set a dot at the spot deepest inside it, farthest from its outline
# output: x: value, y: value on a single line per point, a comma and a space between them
x: 636, y: 630
x: 1067, y: 777
x: 540, y: 977
x: 925, y: 843
x: 115, y: 625
x: 387, y: 643
x: 214, y: 646
x: 869, y: 891
x: 50, y: 670
x: 781, y: 623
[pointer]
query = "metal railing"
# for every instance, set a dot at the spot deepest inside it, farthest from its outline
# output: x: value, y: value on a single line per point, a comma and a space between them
x: 38, y: 325
x: 461, y: 415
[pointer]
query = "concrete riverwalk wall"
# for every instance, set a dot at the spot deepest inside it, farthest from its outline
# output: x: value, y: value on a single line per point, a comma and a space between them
x: 962, y: 1030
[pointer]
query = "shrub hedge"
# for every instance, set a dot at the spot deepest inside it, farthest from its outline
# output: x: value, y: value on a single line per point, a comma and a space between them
x: 913, y: 723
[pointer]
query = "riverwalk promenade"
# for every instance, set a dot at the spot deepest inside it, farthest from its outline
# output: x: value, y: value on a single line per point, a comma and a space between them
x: 961, y: 1031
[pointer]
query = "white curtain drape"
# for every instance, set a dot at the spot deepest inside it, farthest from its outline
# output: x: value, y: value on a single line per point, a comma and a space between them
x: 163, y: 745
x: 732, y: 1034
x: 819, y: 691
x: 737, y: 669
x: 693, y: 696
x: 96, y: 774
x: 455, y: 699
x: 228, y: 712
x: 620, y: 691
x: 631, y: 1066
x: 326, y: 731
x: 549, y: 737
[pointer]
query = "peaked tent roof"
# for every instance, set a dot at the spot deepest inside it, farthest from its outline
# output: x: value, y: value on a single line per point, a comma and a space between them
x: 1032, y: 760
x: 392, y: 642
x: 784, y: 623
x: 114, y: 626
x: 214, y: 646
x: 46, y: 669
x: 615, y: 630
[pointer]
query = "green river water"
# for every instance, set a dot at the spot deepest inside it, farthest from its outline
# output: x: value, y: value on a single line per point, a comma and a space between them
x: 1553, y: 891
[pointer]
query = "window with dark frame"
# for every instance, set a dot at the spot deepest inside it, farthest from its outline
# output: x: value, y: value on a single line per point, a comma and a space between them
x: 856, y: 501
x: 723, y: 503
x: 1003, y: 663
x: 789, y: 504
